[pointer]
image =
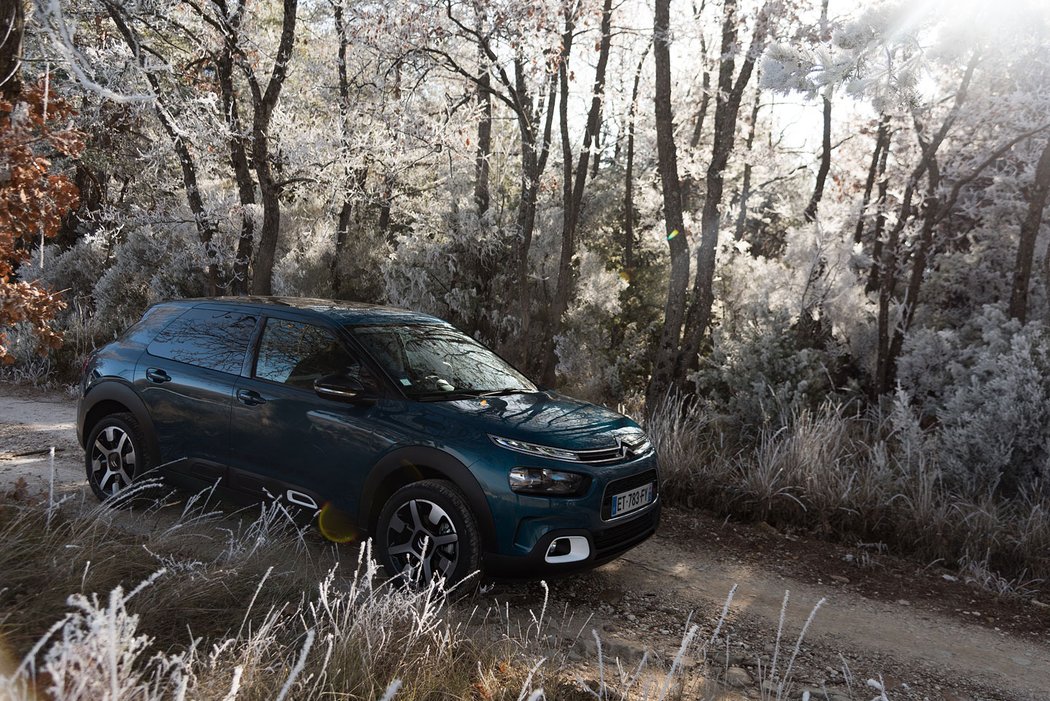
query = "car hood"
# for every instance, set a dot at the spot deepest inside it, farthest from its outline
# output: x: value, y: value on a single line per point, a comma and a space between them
x: 546, y: 418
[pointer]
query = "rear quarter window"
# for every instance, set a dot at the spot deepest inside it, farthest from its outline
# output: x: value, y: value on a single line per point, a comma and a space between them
x: 151, y: 323
x: 209, y: 338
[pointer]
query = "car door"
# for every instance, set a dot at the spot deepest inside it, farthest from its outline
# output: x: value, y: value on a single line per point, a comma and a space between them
x: 186, y: 378
x: 287, y: 441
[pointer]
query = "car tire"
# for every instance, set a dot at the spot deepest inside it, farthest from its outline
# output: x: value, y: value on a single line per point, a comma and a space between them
x: 434, y: 510
x: 115, y: 455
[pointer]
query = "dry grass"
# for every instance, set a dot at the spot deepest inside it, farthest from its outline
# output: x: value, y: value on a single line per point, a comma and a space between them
x: 202, y: 605
x: 174, y: 600
x: 848, y: 476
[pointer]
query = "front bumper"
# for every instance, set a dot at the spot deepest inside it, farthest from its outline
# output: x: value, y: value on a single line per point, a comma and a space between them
x: 606, y: 544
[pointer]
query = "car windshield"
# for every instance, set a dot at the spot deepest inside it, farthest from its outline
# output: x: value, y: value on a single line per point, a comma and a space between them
x: 430, y: 361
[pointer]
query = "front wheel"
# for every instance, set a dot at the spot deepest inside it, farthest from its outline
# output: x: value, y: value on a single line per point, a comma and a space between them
x: 426, y: 531
x: 115, y: 455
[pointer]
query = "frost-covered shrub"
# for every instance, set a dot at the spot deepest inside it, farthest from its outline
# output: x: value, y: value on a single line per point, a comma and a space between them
x: 757, y: 374
x: 148, y: 266
x: 76, y: 270
x: 589, y: 358
x: 965, y: 280
x: 987, y: 385
x: 456, y: 266
x: 309, y: 268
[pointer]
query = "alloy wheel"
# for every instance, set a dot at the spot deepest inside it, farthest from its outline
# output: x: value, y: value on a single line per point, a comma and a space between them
x: 422, y: 540
x: 113, y: 460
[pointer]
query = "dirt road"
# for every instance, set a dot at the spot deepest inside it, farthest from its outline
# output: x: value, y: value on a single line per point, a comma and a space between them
x: 920, y: 642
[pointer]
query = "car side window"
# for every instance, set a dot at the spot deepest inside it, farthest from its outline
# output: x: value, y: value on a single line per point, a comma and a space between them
x: 296, y: 354
x: 153, y: 321
x: 208, y: 338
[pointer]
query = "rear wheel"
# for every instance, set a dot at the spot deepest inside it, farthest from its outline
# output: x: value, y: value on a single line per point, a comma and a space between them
x: 426, y: 531
x: 115, y: 455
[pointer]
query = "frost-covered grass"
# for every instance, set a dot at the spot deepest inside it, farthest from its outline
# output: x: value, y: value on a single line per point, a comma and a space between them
x: 202, y: 605
x: 874, y: 478
x: 180, y: 602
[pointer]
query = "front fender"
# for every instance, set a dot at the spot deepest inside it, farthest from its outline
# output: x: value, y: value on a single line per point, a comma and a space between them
x: 427, y: 462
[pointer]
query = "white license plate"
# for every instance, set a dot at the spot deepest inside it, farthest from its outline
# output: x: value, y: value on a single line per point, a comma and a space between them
x: 629, y: 501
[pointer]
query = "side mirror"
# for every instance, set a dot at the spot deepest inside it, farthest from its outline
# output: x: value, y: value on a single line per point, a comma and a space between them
x: 340, y: 388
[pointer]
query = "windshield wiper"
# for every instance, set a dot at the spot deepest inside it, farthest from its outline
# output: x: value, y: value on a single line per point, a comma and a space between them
x: 505, y: 391
x: 467, y: 394
x: 442, y: 396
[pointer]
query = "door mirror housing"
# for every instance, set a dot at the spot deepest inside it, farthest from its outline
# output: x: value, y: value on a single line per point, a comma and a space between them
x: 342, y: 388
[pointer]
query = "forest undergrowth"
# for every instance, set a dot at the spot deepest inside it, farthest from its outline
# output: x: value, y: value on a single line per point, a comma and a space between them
x: 870, y: 476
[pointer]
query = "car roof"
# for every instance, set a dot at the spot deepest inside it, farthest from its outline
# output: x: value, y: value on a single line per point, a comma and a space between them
x: 338, y: 311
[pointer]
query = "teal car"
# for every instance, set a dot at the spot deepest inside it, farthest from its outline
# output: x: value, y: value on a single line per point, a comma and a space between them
x: 379, y: 422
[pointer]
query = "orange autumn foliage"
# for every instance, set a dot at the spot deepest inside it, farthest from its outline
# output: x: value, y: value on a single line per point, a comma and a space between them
x: 33, y: 200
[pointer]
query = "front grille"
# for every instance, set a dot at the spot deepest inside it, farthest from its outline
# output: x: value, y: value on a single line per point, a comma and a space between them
x: 624, y: 535
x: 627, y: 483
x: 628, y: 447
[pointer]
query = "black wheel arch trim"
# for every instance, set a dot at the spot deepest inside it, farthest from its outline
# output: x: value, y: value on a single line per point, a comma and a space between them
x: 439, y: 464
x: 116, y: 390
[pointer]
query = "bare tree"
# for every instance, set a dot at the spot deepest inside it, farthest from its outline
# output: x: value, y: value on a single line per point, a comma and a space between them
x: 875, y: 172
x: 354, y: 177
x: 628, y: 176
x: 825, y: 151
x: 745, y: 184
x: 665, y: 361
x: 534, y: 115
x: 936, y: 206
x: 731, y: 86
x: 206, y: 227
x: 574, y: 183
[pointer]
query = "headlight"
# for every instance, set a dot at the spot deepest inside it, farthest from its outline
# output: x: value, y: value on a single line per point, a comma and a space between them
x: 534, y: 480
x: 534, y: 449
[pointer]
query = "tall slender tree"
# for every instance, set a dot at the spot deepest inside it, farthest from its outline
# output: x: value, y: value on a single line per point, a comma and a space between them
x: 1037, y: 197
x: 574, y: 180
x: 666, y: 356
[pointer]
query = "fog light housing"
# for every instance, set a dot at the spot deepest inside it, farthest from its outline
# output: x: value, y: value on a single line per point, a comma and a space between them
x: 573, y: 548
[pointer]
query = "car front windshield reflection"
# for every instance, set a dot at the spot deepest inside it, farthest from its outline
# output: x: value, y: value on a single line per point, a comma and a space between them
x: 431, y: 361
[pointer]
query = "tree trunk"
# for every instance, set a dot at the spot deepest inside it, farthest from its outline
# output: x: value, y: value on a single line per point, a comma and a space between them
x: 882, y: 137
x: 484, y: 150
x: 354, y: 186
x: 568, y: 239
x: 354, y: 177
x: 12, y: 28
x: 534, y: 152
x: 918, y: 271
x: 705, y: 100
x: 1029, y: 232
x: 269, y: 188
x: 889, y: 340
x: 628, y: 190
x: 825, y: 153
x: 745, y: 186
x: 880, y: 216
x: 663, y: 376
x: 705, y: 83
x: 385, y: 201
x: 237, y: 141
x: 825, y: 165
